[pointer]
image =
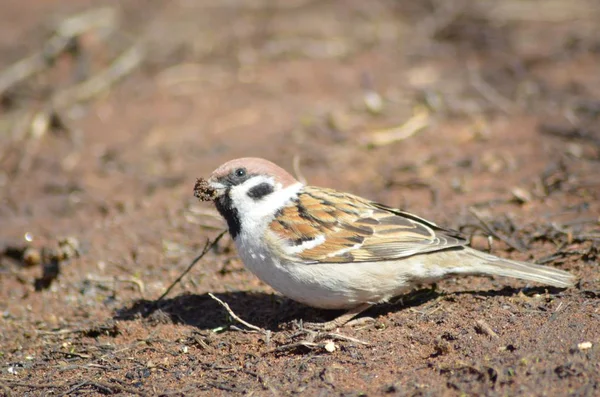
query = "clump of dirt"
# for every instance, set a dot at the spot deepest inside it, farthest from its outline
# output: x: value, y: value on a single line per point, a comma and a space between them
x: 203, y: 191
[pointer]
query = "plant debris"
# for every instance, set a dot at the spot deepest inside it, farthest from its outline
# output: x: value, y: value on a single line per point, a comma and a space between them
x: 50, y: 258
x: 203, y: 191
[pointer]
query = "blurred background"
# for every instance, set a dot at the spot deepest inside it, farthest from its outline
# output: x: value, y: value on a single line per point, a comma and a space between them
x: 470, y: 112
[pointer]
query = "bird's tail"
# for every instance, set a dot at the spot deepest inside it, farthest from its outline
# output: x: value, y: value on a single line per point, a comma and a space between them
x: 486, y: 264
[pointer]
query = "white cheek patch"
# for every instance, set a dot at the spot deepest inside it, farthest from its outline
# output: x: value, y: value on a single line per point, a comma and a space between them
x: 239, y: 193
x: 256, y: 213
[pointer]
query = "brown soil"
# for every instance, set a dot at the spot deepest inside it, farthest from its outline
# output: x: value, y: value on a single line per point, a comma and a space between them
x: 507, y: 93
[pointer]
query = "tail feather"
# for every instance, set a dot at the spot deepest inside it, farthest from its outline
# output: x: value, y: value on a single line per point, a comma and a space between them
x: 492, y: 265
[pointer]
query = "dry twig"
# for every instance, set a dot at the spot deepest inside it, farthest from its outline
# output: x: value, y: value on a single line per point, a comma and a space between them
x: 114, y: 280
x: 105, y: 388
x: 490, y: 230
x: 86, y: 90
x: 60, y: 42
x: 336, y: 336
x: 207, y: 247
x: 297, y: 171
x: 483, y: 327
x: 121, y: 66
x: 237, y: 318
x: 489, y: 92
x: 292, y: 346
x: 316, y: 339
x: 418, y: 122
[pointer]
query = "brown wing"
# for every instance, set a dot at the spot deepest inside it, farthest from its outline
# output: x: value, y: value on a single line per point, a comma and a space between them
x: 356, y: 230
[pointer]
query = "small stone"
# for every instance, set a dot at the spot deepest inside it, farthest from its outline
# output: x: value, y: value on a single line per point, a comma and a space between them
x: 521, y: 195
x: 584, y: 345
x: 373, y: 102
x: 32, y: 257
x: 330, y: 346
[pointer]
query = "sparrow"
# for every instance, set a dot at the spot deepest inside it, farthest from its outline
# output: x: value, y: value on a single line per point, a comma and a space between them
x: 333, y: 250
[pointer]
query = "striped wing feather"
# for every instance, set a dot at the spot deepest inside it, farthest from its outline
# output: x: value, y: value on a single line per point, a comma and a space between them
x: 357, y: 230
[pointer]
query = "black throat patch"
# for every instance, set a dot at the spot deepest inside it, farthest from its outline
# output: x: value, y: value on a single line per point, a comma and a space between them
x: 259, y: 191
x: 225, y: 207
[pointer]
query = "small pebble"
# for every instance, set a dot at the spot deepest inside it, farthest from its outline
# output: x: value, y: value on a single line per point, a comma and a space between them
x: 584, y: 345
x: 330, y: 346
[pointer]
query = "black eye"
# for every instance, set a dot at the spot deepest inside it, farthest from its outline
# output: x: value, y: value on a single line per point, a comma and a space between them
x: 240, y: 172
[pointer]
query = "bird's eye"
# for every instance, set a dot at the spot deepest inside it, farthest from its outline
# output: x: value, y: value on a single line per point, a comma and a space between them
x: 240, y: 172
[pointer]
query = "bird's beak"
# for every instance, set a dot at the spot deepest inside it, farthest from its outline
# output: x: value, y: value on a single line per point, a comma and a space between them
x: 218, y: 187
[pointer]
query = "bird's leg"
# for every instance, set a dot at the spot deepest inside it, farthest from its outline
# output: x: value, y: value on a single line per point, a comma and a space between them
x: 339, y: 321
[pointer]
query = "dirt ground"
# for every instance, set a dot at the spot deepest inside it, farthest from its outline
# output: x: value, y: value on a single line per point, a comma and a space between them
x: 482, y: 116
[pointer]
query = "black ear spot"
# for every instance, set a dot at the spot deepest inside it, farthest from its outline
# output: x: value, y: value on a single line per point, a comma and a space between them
x: 260, y: 191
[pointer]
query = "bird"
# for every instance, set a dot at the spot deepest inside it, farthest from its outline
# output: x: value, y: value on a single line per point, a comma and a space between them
x: 334, y: 250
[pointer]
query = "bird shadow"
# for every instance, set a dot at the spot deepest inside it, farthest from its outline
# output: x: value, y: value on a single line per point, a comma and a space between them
x: 272, y: 311
x: 268, y: 311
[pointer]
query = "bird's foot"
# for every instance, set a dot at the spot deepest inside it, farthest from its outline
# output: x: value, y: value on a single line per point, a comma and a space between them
x: 345, y: 319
